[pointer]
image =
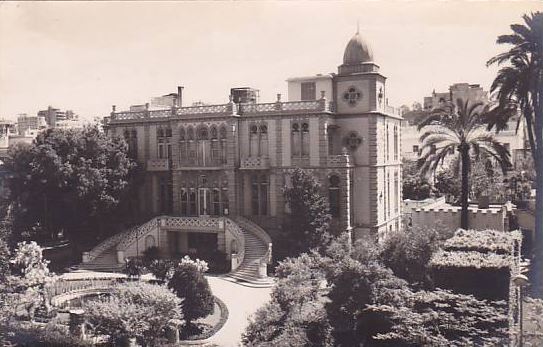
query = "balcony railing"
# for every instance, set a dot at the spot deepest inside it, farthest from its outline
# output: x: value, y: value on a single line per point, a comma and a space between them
x: 321, y: 105
x: 158, y: 165
x: 255, y: 163
x: 292, y: 106
x: 340, y: 160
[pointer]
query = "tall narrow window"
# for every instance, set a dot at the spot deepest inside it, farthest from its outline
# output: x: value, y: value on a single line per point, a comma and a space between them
x: 263, y: 197
x: 203, y: 146
x: 215, y: 147
x: 296, y: 145
x: 216, y: 202
x: 131, y: 138
x: 263, y: 129
x: 396, y: 192
x: 160, y: 143
x: 305, y: 139
x: 182, y: 146
x: 222, y: 135
x: 193, y: 211
x: 184, y: 197
x: 253, y: 141
x: 387, y: 146
x: 388, y: 194
x: 254, y: 195
x: 333, y: 195
x: 396, y: 143
x: 308, y: 91
x: 191, y: 144
x: 224, y: 200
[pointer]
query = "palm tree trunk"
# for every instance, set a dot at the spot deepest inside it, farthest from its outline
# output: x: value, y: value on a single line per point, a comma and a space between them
x: 464, y: 153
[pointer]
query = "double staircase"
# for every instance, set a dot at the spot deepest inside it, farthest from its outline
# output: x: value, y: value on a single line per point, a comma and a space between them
x: 251, y: 272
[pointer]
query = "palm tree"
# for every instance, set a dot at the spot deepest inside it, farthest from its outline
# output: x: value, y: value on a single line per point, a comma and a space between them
x: 459, y: 128
x: 519, y: 86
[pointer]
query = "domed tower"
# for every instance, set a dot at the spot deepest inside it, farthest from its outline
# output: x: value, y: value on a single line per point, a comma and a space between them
x: 358, y: 57
x: 368, y: 130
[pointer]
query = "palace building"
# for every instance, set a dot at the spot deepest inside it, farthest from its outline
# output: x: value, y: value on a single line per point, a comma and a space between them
x: 215, y: 166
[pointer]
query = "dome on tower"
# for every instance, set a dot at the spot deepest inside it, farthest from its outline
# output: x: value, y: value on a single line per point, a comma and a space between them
x: 357, y: 51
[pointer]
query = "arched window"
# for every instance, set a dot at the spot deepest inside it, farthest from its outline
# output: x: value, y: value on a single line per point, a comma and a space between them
x: 387, y: 148
x: 305, y: 139
x: 263, y: 129
x: 184, y: 197
x: 222, y: 135
x: 253, y: 140
x: 215, y: 147
x: 396, y: 193
x: 182, y: 146
x: 149, y: 241
x: 333, y: 195
x: 163, y: 143
x: 296, y: 143
x: 131, y: 138
x: 191, y: 146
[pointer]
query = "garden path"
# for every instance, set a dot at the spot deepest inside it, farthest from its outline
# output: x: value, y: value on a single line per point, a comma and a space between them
x: 242, y: 302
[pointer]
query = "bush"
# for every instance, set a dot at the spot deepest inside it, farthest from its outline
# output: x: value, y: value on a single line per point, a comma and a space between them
x: 150, y: 254
x: 49, y: 335
x: 189, y: 283
x: 134, y: 267
x: 162, y: 269
x: 135, y: 309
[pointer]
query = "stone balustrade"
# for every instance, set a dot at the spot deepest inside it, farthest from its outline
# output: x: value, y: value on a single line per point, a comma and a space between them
x: 158, y: 165
x: 249, y: 163
x: 340, y: 160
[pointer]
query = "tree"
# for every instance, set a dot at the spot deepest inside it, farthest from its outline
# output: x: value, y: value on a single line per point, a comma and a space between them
x: 295, y: 316
x: 409, y: 251
x: 67, y: 178
x: 309, y: 218
x: 188, y: 282
x: 459, y: 128
x: 519, y: 85
x: 134, y: 310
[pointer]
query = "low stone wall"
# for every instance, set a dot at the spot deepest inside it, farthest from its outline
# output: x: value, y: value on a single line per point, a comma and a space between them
x: 479, y: 219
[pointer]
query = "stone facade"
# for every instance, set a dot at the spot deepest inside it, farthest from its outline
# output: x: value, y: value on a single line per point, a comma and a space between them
x: 234, y: 158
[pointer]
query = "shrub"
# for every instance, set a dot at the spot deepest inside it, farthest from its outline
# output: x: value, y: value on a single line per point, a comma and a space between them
x: 162, y: 269
x: 50, y: 335
x: 189, y: 283
x: 150, y: 254
x: 134, y: 267
x: 136, y: 309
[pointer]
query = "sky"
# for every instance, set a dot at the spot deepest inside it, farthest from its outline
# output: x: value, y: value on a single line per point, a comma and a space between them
x: 87, y: 56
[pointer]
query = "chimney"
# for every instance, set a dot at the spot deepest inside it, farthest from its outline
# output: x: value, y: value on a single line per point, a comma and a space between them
x: 179, y: 96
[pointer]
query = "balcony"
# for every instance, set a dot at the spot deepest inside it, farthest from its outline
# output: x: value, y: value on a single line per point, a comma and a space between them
x: 158, y: 165
x: 340, y: 160
x: 255, y: 163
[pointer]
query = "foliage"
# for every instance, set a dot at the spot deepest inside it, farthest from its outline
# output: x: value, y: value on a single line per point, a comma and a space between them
x: 459, y: 128
x: 414, y: 186
x: 469, y: 259
x: 519, y: 86
x: 150, y: 254
x: 162, y: 269
x: 482, y: 241
x: 188, y: 282
x: 443, y: 318
x: 50, y: 335
x: 134, y: 267
x: 5, y: 253
x: 295, y: 316
x: 67, y: 178
x: 408, y: 252
x: 533, y: 322
x: 134, y: 309
x: 309, y: 219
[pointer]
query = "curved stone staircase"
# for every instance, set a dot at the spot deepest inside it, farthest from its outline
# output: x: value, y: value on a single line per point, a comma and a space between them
x: 252, y: 270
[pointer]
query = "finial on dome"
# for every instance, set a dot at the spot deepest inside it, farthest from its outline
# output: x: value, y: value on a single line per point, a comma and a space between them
x: 358, y: 26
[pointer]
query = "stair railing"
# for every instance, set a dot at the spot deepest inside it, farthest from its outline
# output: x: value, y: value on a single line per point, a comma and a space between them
x: 255, y: 229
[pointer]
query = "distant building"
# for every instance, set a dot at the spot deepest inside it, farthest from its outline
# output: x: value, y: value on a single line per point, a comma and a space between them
x: 464, y: 91
x: 30, y: 124
x: 514, y: 141
x: 54, y: 115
